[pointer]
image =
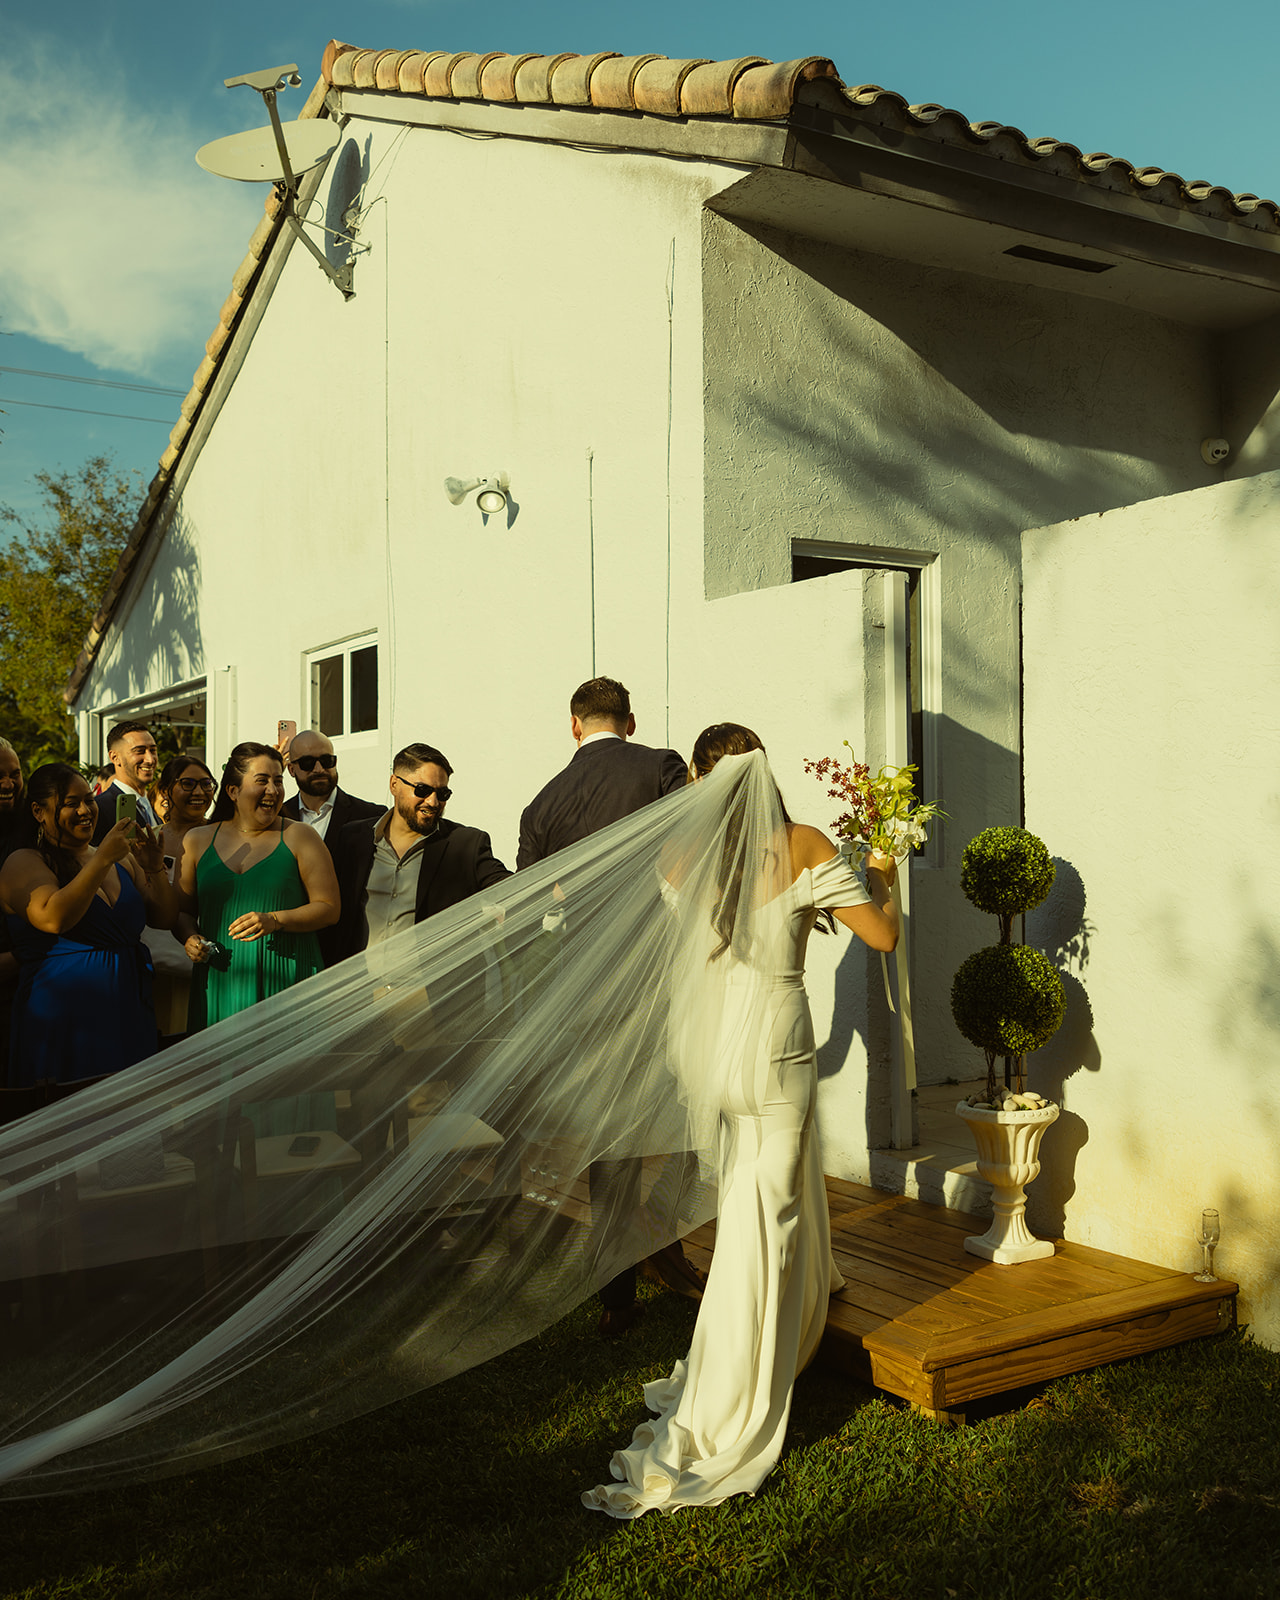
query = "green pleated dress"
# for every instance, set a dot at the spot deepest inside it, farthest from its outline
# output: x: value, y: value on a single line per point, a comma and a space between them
x: 256, y: 968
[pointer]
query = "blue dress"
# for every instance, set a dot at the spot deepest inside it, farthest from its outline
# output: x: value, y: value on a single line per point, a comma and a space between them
x: 83, y: 1003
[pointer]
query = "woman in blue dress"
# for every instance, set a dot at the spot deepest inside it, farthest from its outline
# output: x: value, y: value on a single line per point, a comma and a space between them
x: 75, y: 914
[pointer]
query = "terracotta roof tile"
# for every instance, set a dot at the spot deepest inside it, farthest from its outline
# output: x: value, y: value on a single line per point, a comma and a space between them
x: 498, y: 80
x: 571, y: 80
x: 656, y: 87
x: 464, y: 81
x: 612, y: 83
x: 439, y: 70
x: 533, y: 78
x: 412, y: 66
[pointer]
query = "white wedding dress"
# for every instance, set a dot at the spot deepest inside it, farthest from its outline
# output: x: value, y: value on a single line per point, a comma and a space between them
x: 722, y: 1414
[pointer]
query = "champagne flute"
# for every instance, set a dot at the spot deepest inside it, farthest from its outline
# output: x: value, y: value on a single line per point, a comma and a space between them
x: 1210, y: 1233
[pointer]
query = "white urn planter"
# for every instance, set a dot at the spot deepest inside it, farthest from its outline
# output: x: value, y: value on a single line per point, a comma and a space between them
x: 1008, y: 1158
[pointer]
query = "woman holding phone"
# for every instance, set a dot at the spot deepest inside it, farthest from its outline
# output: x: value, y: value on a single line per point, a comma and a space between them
x: 76, y: 913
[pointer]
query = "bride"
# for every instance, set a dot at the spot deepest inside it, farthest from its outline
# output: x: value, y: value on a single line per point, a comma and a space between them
x: 722, y: 1413
x: 178, y: 1287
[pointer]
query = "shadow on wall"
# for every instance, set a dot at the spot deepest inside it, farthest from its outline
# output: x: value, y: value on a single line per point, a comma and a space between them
x: 1056, y: 367
x: 1060, y: 927
x: 883, y: 401
x: 174, y: 643
x: 979, y: 790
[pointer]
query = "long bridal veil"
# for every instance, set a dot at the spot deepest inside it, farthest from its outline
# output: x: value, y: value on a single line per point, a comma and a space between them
x: 393, y: 1171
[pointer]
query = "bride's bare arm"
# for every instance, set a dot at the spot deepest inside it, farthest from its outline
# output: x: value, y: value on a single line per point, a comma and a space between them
x: 875, y: 924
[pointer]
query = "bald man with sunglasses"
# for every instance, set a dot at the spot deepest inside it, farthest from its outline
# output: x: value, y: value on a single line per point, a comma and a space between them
x: 319, y: 802
x: 413, y: 861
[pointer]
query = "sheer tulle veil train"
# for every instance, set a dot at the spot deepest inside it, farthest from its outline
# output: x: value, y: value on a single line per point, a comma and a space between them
x: 177, y: 1288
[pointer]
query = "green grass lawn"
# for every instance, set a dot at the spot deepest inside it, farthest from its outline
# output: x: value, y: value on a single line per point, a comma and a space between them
x: 1158, y: 1477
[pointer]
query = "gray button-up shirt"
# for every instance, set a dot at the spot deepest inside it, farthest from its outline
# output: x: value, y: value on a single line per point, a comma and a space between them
x: 392, y: 895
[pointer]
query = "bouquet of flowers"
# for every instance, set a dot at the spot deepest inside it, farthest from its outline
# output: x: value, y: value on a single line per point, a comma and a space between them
x: 881, y: 813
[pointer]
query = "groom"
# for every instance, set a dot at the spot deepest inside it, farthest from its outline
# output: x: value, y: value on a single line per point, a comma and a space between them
x: 608, y: 779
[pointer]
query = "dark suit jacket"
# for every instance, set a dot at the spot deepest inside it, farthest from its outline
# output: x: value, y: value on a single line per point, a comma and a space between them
x: 106, y: 804
x: 604, y: 782
x: 346, y: 808
x: 456, y: 862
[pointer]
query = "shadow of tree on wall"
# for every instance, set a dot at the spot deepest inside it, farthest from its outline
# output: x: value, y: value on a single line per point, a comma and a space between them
x: 1060, y: 928
x: 170, y: 649
x: 899, y: 381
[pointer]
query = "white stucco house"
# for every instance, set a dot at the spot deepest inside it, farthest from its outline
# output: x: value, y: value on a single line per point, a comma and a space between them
x: 840, y: 417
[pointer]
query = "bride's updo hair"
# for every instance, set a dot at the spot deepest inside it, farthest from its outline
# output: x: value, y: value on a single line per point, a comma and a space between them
x: 720, y: 739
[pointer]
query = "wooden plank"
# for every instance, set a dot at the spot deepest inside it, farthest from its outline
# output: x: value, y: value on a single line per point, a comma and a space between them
x: 1098, y: 1312
x: 859, y: 1195
x: 1077, y: 1351
x: 1145, y: 1271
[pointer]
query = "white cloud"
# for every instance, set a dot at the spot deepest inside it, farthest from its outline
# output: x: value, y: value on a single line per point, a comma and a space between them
x: 114, y: 244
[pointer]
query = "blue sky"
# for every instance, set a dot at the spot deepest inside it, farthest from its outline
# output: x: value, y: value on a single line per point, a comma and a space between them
x: 117, y: 251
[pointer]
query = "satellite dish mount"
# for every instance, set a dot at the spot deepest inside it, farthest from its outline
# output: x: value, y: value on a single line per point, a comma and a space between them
x: 253, y: 157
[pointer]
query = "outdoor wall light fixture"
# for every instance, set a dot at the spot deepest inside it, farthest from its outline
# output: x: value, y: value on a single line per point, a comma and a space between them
x: 493, y: 492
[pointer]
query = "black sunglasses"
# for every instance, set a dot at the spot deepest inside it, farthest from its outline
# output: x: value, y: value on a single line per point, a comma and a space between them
x: 190, y: 785
x: 423, y: 790
x: 309, y: 763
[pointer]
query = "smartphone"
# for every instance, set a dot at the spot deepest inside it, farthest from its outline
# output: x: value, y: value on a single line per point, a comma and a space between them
x: 284, y: 732
x: 306, y: 1144
x: 127, y: 805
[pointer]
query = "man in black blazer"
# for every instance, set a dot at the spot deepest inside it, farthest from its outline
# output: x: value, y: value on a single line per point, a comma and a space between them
x: 412, y: 861
x: 323, y: 806
x: 607, y: 780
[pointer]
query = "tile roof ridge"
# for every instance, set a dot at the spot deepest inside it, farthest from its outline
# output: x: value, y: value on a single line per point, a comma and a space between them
x: 948, y: 125
x: 749, y: 88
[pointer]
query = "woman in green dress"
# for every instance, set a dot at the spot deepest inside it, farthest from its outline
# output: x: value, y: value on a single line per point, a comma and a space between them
x: 255, y: 890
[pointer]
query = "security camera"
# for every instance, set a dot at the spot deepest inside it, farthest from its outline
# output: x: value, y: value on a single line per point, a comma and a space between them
x: 1214, y: 451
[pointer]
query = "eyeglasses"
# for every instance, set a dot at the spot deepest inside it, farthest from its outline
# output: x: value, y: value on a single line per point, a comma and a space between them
x: 190, y: 785
x: 308, y: 763
x: 424, y: 790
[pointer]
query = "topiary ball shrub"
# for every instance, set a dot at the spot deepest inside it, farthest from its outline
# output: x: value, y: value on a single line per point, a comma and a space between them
x: 1006, y: 871
x: 1008, y: 999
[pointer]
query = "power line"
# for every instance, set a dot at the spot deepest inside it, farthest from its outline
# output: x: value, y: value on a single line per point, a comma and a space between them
x: 101, y: 383
x: 164, y: 422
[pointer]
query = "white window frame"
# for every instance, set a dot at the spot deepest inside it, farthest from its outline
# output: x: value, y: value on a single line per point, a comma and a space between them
x: 344, y: 647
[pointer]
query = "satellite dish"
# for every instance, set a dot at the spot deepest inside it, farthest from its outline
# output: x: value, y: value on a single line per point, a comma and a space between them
x: 253, y: 157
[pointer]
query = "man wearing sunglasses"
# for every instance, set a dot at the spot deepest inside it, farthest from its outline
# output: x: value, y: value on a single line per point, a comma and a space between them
x: 319, y: 802
x: 412, y: 862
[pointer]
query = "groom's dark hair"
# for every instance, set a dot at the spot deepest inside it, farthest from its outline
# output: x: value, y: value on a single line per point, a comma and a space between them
x: 601, y: 697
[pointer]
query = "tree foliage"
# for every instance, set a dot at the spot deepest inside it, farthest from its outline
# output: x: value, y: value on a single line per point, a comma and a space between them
x: 53, y: 573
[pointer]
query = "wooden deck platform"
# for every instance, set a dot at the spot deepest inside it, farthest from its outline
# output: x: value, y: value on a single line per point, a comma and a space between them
x: 922, y: 1319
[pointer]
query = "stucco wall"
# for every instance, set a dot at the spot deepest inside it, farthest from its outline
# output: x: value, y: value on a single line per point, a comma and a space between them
x: 1152, y: 747
x: 862, y: 401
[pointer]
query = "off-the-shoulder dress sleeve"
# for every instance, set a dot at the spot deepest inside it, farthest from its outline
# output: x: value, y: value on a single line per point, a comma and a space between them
x: 835, y: 883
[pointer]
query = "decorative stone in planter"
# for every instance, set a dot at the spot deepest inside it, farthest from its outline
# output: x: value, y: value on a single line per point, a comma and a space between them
x: 1008, y: 1159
